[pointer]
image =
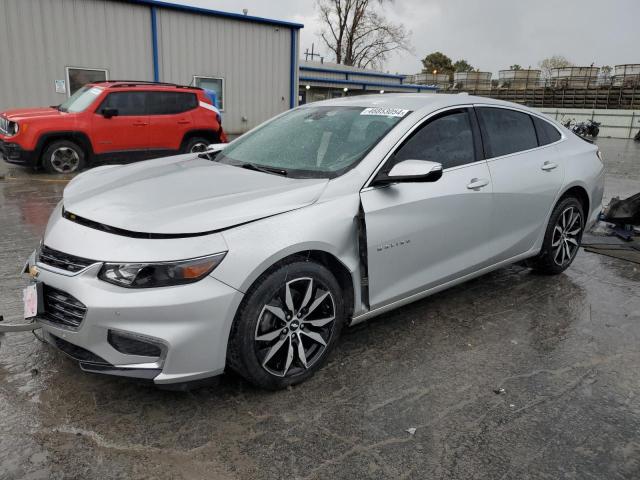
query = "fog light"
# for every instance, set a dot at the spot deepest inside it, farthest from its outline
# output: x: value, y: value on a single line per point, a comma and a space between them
x: 133, y: 344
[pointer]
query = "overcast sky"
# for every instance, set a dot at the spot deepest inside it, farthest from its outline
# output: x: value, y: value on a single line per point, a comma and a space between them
x: 489, y: 34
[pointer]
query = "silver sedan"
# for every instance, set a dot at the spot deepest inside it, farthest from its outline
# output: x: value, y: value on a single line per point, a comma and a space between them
x: 254, y: 255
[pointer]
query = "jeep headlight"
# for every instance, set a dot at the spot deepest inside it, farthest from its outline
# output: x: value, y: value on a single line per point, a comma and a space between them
x: 13, y: 128
x: 160, y: 274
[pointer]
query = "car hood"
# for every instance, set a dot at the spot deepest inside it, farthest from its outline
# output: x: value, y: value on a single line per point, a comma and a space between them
x: 29, y: 113
x: 183, y: 195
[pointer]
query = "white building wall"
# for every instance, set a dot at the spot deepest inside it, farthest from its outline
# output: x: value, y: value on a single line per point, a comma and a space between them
x: 254, y: 60
x: 39, y: 38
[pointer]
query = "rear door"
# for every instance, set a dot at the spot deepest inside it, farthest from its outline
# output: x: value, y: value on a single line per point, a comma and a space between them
x: 420, y: 235
x: 527, y: 174
x: 170, y: 119
x: 126, y: 134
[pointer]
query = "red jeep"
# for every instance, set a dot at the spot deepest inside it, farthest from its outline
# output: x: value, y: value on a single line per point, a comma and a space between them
x: 111, y: 121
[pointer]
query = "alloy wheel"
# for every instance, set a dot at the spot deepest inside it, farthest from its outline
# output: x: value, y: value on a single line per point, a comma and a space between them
x: 567, y: 232
x: 65, y: 160
x: 295, y: 327
x: 199, y: 147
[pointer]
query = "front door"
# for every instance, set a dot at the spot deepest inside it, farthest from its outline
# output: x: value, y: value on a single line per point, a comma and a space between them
x: 420, y: 235
x: 125, y: 135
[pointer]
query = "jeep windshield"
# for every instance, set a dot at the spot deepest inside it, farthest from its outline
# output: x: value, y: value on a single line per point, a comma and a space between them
x: 80, y: 100
x: 321, y: 141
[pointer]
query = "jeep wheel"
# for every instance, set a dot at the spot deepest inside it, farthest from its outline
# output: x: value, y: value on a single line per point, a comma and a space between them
x: 63, y: 156
x: 196, y: 145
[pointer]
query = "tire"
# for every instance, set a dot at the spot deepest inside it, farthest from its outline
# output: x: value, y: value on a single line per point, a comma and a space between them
x: 196, y: 145
x: 63, y: 156
x: 269, y: 327
x: 595, y: 131
x: 562, y: 238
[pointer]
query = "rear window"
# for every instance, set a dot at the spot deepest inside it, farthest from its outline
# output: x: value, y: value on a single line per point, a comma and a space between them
x: 506, y: 131
x: 547, y: 133
x: 168, y: 103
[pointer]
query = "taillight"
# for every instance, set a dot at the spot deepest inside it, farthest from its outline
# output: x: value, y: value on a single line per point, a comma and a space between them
x: 600, y: 157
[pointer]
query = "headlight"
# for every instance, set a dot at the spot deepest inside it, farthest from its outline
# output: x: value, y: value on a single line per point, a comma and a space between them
x: 147, y: 275
x: 13, y: 128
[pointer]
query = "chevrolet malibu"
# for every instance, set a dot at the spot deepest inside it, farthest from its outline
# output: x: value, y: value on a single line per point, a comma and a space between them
x: 254, y: 255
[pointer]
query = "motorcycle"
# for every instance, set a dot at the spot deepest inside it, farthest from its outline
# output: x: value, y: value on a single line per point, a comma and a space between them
x: 591, y: 128
x: 583, y: 129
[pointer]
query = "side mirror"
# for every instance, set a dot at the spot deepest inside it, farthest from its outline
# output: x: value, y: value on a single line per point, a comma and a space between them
x: 410, y: 171
x: 109, y: 112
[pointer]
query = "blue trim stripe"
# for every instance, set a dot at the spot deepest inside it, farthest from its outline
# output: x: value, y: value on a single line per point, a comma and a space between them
x: 292, y: 71
x: 154, y: 44
x: 215, y: 13
x: 408, y: 86
x: 350, y: 72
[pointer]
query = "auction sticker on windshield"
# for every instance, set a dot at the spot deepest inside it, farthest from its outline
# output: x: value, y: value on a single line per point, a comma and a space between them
x: 385, y: 112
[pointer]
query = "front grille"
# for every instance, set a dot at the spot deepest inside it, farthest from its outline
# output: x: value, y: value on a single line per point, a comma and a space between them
x: 58, y: 259
x: 78, y: 353
x: 133, y: 346
x: 62, y: 308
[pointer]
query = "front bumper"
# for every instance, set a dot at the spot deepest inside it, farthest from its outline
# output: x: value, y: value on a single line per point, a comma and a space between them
x: 189, y: 324
x: 15, y: 154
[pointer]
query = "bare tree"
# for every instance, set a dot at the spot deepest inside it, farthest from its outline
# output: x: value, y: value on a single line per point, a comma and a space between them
x: 556, y: 61
x: 357, y: 34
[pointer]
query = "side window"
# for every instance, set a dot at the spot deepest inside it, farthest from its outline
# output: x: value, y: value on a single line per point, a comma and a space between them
x: 127, y: 103
x: 170, y: 103
x: 506, y: 131
x: 547, y: 133
x: 446, y: 139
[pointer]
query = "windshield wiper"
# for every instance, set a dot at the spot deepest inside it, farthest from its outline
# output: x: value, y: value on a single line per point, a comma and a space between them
x: 277, y: 171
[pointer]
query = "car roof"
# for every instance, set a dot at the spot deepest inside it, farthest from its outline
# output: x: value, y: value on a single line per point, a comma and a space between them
x: 417, y: 101
x: 135, y: 84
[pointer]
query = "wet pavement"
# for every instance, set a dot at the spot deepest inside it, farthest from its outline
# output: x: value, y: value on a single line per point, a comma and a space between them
x: 565, y: 350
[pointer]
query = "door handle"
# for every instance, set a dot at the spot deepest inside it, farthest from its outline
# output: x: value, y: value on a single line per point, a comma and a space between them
x: 140, y: 124
x: 548, y: 166
x: 477, y: 183
x: 183, y: 122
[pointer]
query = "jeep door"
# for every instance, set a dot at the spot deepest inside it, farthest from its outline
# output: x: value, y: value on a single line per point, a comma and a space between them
x: 169, y: 120
x: 120, y: 126
x: 420, y: 235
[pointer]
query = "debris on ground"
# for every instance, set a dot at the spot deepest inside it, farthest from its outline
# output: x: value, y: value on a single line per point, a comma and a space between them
x: 623, y: 212
x: 411, y: 431
x: 617, y: 233
x: 499, y: 391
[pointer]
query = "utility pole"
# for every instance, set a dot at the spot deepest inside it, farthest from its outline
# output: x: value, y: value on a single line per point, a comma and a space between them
x: 311, y: 53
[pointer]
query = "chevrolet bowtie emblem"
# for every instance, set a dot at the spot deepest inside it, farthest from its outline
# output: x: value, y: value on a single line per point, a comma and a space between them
x: 34, y: 271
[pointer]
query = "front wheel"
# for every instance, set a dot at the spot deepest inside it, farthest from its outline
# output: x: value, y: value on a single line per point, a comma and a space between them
x: 562, y: 238
x: 287, y: 325
x: 63, y: 156
x: 595, y: 131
